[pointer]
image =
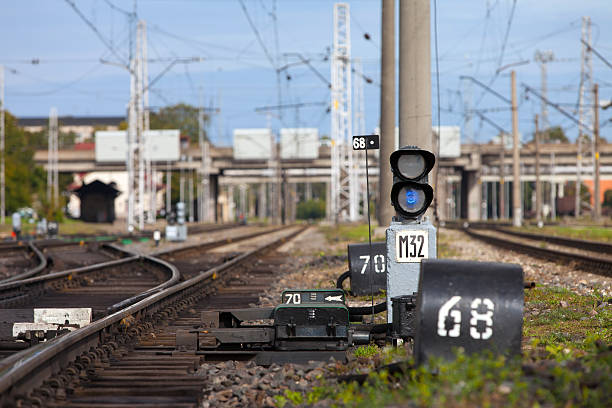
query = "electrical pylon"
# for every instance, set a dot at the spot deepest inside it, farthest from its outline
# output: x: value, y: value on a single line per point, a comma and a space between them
x: 344, y: 199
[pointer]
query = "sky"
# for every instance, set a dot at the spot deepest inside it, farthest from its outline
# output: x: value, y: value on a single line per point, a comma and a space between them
x: 54, y: 58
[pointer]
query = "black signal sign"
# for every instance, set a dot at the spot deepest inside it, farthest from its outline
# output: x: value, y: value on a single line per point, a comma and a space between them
x: 366, y: 142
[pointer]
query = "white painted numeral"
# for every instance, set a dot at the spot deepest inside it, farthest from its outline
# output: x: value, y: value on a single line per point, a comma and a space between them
x: 486, y: 317
x: 293, y: 298
x: 380, y: 264
x: 446, y: 311
x: 379, y: 260
x: 366, y: 259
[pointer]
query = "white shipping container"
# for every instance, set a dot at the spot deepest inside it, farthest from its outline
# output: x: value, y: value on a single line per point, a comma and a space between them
x: 252, y: 144
x: 299, y: 143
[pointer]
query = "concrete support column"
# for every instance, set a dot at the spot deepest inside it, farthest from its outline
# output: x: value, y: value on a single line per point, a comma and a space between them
x: 474, y: 195
x: 262, y: 201
x: 415, y: 74
x: 387, y: 113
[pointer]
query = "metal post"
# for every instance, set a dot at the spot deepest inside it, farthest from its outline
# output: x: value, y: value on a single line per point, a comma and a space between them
x: 52, y: 161
x: 537, y: 170
x: 2, y: 137
x: 516, y: 190
x: 596, y: 163
x: 415, y: 74
x: 168, y: 189
x: 387, y: 112
x: 190, y: 187
x: 502, y: 174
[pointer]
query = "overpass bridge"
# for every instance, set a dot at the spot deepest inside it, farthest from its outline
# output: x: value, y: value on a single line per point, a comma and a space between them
x: 468, y: 185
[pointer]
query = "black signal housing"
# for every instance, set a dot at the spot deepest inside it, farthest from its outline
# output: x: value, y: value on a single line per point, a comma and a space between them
x: 411, y: 194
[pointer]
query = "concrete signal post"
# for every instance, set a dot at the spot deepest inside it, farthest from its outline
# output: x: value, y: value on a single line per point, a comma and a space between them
x: 411, y: 237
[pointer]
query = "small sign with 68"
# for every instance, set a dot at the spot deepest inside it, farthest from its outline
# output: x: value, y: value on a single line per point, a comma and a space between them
x: 366, y: 142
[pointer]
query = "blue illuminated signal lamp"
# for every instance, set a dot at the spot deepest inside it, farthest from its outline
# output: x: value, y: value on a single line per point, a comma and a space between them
x: 411, y: 199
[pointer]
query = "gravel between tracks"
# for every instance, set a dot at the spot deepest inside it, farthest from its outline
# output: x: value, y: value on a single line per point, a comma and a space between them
x: 240, y: 384
x: 542, y: 272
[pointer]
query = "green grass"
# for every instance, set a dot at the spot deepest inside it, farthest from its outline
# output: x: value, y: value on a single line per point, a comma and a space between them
x: 366, y: 351
x: 348, y: 232
x: 479, y: 380
x: 444, y: 248
x: 565, y: 362
x: 593, y: 233
x: 557, y: 317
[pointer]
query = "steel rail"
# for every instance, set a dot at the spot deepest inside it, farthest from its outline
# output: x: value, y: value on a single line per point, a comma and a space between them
x: 30, y: 272
x: 590, y: 263
x: 216, y: 243
x: 202, y: 245
x: 4, y: 286
x: 587, y: 245
x: 27, y: 369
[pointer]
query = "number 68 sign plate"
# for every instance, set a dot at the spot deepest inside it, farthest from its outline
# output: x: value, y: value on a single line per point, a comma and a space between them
x: 411, y: 246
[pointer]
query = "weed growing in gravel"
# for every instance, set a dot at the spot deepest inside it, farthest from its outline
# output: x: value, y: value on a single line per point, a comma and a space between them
x: 366, y: 351
x: 556, y: 316
x: 480, y: 380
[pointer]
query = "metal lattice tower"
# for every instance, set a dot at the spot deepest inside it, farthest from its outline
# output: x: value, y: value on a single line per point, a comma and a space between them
x: 543, y: 58
x: 585, y: 106
x: 344, y: 198
x: 52, y: 161
x: 138, y: 162
x: 359, y: 128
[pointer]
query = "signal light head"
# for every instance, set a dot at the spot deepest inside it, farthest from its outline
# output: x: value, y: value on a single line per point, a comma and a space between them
x: 410, y: 194
x: 411, y: 199
x: 412, y: 164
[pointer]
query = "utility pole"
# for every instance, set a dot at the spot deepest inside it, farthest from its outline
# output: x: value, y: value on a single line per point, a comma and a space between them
x: 517, y: 205
x: 415, y: 74
x: 190, y: 195
x: 2, y: 137
x: 596, y: 188
x: 168, y: 189
x: 52, y: 161
x: 387, y: 111
x: 536, y: 138
x: 502, y: 173
x: 585, y: 108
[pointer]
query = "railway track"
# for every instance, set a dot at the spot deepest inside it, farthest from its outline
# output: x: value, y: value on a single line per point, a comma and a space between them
x: 112, y: 362
x: 104, y: 283
x: 20, y: 258
x: 591, y: 256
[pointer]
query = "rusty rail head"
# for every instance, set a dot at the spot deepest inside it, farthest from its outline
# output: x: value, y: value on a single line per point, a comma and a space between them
x: 31, y: 364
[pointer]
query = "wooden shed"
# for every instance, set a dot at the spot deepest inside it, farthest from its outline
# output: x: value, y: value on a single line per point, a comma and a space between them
x: 97, y: 201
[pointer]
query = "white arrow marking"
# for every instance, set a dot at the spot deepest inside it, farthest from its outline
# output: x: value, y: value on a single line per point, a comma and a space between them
x: 332, y: 298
